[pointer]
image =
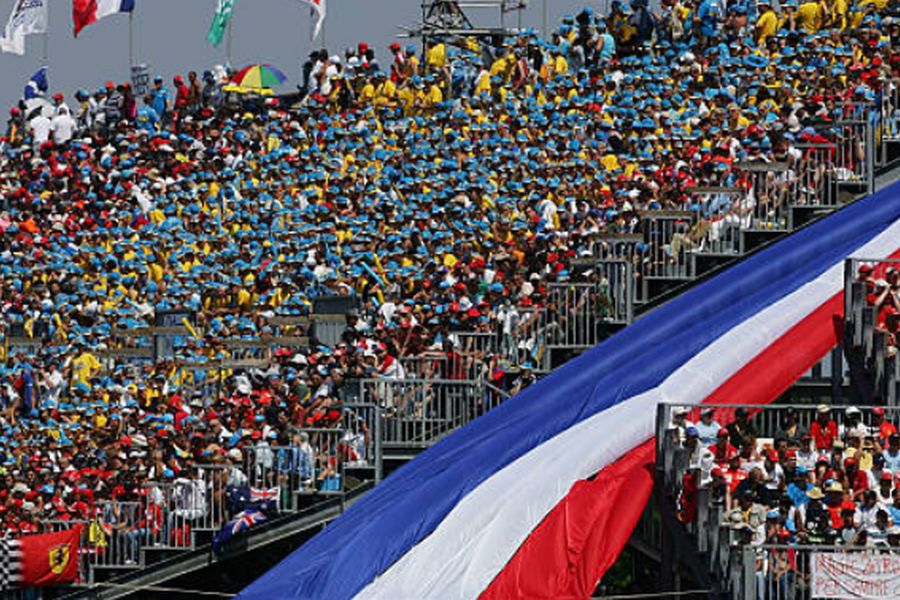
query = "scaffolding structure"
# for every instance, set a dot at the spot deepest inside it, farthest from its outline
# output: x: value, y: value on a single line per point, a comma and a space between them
x: 446, y: 20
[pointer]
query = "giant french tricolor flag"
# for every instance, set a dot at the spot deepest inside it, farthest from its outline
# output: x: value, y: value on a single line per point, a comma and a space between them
x: 86, y: 12
x: 537, y: 498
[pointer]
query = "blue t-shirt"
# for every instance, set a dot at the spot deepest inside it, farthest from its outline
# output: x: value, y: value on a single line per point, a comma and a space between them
x: 797, y: 494
x: 160, y: 99
x: 147, y: 118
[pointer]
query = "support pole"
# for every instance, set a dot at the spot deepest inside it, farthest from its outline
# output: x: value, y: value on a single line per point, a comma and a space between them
x: 229, y: 35
x: 544, y: 20
x: 131, y: 38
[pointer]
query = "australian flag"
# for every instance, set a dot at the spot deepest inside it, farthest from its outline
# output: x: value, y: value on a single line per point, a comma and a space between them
x: 235, y: 527
x: 250, y: 498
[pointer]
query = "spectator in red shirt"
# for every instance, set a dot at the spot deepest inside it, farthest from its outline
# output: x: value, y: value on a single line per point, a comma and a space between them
x: 856, y: 479
x: 722, y: 450
x: 836, y: 503
x: 883, y: 429
x: 823, y: 430
x: 182, y: 97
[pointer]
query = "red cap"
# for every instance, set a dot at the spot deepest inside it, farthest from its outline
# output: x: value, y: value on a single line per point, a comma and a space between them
x: 58, y: 96
x: 865, y: 268
x: 886, y: 476
x: 110, y: 85
x: 878, y: 411
x: 773, y: 456
x: 790, y: 454
x: 178, y: 79
x: 394, y: 47
x: 722, y: 433
x: 362, y: 47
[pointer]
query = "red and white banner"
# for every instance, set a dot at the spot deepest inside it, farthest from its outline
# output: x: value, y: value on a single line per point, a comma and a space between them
x: 855, y: 575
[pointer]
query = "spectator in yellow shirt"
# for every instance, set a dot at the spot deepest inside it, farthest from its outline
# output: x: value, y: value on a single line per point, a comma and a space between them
x: 811, y: 15
x: 767, y: 24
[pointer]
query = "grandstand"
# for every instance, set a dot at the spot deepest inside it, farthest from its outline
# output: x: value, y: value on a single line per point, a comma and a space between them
x: 215, y: 303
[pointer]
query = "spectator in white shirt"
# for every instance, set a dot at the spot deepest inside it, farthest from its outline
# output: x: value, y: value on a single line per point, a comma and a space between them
x: 63, y: 126
x: 41, y: 127
x: 806, y: 454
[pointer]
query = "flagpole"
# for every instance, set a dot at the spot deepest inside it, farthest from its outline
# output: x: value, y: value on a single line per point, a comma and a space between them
x: 228, y: 36
x: 46, y: 37
x: 131, y: 38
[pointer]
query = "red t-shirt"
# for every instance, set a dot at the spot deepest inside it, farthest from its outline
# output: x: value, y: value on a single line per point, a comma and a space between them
x: 823, y: 437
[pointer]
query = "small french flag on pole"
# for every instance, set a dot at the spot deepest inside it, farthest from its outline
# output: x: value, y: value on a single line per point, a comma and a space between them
x: 86, y: 12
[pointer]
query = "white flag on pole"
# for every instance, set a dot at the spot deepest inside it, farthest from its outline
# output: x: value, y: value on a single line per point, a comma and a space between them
x: 319, y: 7
x: 28, y: 16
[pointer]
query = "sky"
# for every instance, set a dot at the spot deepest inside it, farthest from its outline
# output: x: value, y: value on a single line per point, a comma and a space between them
x: 170, y: 37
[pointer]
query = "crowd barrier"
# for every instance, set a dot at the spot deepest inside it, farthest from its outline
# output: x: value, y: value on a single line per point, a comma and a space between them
x: 669, y: 236
x: 854, y: 152
x: 476, y: 349
x: 574, y: 313
x: 723, y: 215
x: 771, y: 194
x: 525, y: 337
x: 888, y: 130
x: 313, y: 464
x: 418, y: 412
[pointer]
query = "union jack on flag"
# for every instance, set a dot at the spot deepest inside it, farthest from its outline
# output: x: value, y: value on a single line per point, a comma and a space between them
x: 264, y: 495
x: 241, y: 522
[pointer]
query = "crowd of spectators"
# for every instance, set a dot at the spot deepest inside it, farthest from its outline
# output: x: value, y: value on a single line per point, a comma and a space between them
x: 446, y: 191
x: 833, y: 482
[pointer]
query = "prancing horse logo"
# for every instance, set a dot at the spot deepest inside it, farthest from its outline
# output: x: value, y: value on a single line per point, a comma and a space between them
x: 59, y: 558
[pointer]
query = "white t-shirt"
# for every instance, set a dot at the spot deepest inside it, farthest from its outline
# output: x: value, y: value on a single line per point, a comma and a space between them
x: 41, y: 126
x: 63, y: 128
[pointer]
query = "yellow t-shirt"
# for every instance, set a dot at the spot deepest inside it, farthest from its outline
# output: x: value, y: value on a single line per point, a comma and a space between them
x: 83, y: 367
x: 810, y: 16
x: 437, y: 56
x: 766, y: 26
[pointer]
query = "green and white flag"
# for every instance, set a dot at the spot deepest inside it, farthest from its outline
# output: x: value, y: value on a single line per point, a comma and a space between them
x: 220, y: 22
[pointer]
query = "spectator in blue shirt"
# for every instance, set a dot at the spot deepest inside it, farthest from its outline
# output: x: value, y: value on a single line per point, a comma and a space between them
x: 892, y: 454
x: 797, y: 489
x: 147, y: 118
x: 161, y: 98
x: 707, y: 427
x: 894, y: 507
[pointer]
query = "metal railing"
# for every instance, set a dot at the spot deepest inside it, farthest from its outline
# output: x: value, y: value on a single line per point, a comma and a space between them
x: 770, y: 196
x: 417, y: 412
x: 854, y: 153
x: 575, y: 312
x: 525, y: 337
x: 723, y: 214
x: 424, y: 366
x: 476, y: 348
x: 671, y: 237
x: 313, y: 464
x: 816, y: 175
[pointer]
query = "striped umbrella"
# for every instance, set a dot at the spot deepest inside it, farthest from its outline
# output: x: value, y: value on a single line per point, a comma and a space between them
x: 259, y: 76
